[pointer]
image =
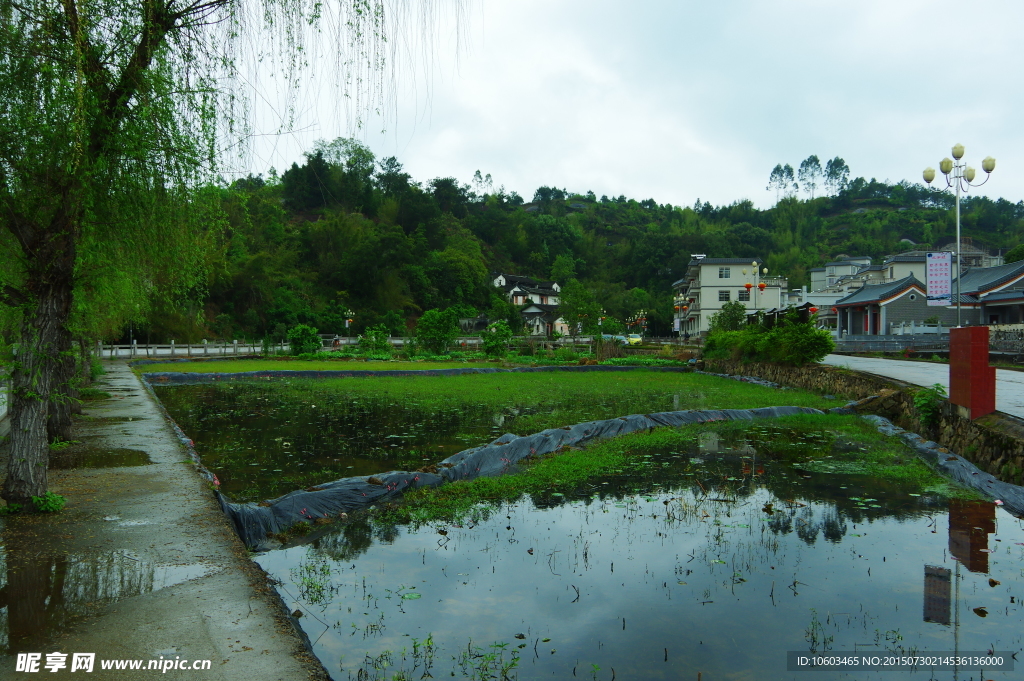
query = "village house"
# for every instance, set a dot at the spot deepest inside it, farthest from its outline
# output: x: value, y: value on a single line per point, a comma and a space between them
x: 540, y: 298
x: 709, y: 283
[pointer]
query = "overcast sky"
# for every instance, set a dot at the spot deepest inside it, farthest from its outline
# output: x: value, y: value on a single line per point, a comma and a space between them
x: 680, y: 100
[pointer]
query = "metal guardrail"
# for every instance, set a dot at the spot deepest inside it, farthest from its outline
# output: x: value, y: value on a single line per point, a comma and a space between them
x: 917, y: 344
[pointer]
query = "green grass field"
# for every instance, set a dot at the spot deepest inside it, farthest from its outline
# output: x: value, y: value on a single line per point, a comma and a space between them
x: 242, y: 365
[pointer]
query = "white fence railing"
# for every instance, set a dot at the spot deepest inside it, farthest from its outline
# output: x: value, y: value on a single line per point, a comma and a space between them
x: 220, y: 348
x: 138, y: 350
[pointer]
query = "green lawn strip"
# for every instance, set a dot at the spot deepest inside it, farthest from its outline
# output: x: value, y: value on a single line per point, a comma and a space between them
x: 695, y: 391
x: 883, y: 457
x: 228, y: 366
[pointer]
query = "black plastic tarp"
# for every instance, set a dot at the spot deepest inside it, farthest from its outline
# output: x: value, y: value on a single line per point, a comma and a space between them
x: 954, y: 467
x: 256, y: 522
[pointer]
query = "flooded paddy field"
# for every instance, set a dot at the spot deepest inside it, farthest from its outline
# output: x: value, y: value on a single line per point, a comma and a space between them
x: 265, y: 438
x: 711, y: 551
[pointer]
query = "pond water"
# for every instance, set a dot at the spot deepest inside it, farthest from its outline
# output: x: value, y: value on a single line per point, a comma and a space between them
x: 709, y: 563
x: 265, y: 439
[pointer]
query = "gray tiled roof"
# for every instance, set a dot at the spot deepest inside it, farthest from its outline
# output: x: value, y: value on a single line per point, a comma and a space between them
x: 986, y: 278
x: 725, y: 261
x: 1003, y: 296
x: 873, y: 293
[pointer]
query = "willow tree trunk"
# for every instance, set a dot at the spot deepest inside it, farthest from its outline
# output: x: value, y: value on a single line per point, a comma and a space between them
x: 63, y: 397
x: 45, y: 345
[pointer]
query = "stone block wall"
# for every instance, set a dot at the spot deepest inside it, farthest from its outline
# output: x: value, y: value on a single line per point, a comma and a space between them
x: 994, y: 443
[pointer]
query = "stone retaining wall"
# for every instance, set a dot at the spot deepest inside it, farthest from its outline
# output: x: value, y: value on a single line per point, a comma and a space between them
x: 994, y: 443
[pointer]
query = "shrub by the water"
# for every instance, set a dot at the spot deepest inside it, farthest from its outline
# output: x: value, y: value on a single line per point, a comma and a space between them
x: 303, y: 339
x: 437, y: 330
x: 789, y: 341
x: 496, y: 338
x: 374, y: 341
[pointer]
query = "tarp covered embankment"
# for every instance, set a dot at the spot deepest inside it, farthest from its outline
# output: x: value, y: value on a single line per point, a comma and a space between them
x: 255, y: 522
x: 954, y: 467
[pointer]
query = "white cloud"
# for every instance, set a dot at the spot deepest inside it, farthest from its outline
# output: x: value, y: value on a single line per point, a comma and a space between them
x: 679, y: 100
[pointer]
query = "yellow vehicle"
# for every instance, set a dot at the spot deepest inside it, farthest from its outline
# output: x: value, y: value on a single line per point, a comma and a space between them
x: 635, y: 339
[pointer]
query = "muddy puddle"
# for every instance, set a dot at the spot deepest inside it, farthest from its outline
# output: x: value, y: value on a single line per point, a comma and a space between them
x: 41, y: 595
x: 707, y: 563
x: 85, y: 456
x: 263, y: 440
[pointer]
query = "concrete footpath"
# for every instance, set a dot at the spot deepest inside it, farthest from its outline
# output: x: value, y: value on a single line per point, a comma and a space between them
x: 1009, y: 384
x: 141, y: 564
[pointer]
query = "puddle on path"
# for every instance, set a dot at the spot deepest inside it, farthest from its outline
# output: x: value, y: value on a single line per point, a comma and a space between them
x: 82, y: 456
x: 714, y: 561
x: 41, y: 595
x: 263, y: 441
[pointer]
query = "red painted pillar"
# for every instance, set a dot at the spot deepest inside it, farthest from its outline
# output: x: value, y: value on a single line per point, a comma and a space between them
x: 972, y: 382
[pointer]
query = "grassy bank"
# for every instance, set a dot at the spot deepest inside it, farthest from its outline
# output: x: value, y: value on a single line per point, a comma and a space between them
x: 211, y: 366
x: 829, y: 444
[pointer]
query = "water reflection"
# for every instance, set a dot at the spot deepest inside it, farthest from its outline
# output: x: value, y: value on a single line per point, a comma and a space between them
x: 970, y: 523
x: 41, y: 594
x: 937, y: 594
x: 687, y: 563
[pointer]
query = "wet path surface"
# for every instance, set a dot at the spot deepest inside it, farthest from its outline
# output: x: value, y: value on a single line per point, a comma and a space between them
x: 141, y: 564
x: 1009, y: 384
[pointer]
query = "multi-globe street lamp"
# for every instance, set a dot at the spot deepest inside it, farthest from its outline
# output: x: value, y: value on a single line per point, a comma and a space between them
x: 759, y: 285
x: 959, y: 178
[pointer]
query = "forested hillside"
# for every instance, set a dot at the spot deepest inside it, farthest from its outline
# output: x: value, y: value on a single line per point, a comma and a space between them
x: 348, y: 233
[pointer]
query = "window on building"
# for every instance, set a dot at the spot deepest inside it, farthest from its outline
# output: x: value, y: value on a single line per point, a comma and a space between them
x: 723, y: 296
x: 831, y: 270
x: 743, y: 295
x: 724, y: 272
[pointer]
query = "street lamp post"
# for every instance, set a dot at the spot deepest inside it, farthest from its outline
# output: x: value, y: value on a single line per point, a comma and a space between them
x: 959, y: 177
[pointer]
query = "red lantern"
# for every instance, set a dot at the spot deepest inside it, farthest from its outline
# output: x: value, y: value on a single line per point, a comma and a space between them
x: 813, y: 310
x: 835, y: 309
x: 677, y: 308
x: 685, y: 308
x: 761, y: 286
x: 748, y: 286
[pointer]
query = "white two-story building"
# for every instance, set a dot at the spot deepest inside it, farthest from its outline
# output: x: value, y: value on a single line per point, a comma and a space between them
x: 709, y: 283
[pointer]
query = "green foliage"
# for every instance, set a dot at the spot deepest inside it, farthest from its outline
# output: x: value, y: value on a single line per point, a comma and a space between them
x: 49, y: 502
x: 303, y: 339
x: 790, y: 342
x: 642, y: 361
x: 95, y: 368
x: 1014, y: 254
x: 437, y: 330
x: 496, y: 339
x: 11, y: 509
x: 87, y: 394
x: 928, y: 403
x: 732, y: 317
x: 374, y: 341
x: 566, y: 355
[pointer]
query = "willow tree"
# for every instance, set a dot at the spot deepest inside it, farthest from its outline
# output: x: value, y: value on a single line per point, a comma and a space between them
x: 113, y: 115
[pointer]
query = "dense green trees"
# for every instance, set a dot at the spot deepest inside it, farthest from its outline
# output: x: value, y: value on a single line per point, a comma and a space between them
x: 389, y: 248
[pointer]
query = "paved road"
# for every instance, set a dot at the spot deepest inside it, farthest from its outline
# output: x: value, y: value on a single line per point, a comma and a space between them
x: 1009, y: 384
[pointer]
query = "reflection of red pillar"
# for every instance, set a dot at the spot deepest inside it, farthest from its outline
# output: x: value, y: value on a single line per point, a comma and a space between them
x: 970, y: 523
x: 972, y: 382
